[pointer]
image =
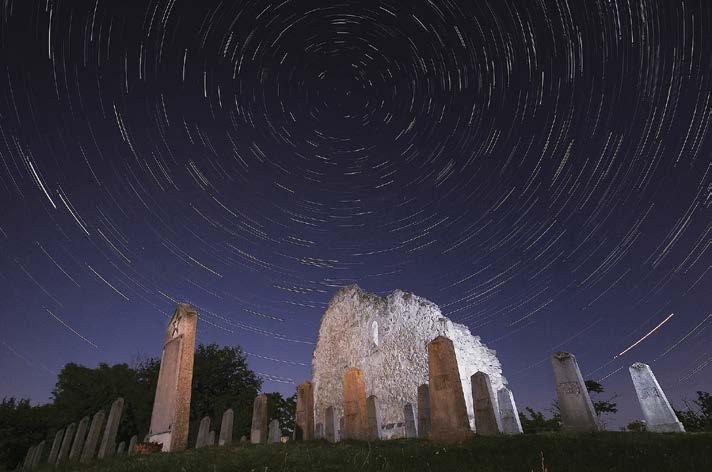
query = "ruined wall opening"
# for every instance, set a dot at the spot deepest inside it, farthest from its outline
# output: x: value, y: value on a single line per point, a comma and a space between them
x: 374, y: 333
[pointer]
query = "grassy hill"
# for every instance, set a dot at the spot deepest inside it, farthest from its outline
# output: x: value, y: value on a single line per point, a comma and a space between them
x: 548, y: 452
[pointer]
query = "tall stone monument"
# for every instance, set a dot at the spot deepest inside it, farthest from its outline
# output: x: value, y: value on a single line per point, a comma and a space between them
x: 448, y: 413
x: 659, y: 415
x: 411, y: 430
x: 37, y: 455
x: 171, y: 407
x: 92, y: 440
x: 577, y: 413
x: 355, y: 415
x: 202, y: 439
x: 374, y: 418
x: 66, y: 443
x: 258, y: 434
x: 508, y: 412
x: 487, y: 421
x: 79, y: 438
x: 423, y: 411
x: 330, y: 425
x: 304, y: 424
x: 226, y: 428
x: 275, y: 432
x: 52, y: 459
x: 108, y: 441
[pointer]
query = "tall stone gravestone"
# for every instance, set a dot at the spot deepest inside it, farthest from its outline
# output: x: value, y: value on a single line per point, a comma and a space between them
x: 275, y: 432
x: 374, y: 418
x: 226, y: 428
x: 304, y: 425
x: 423, y: 411
x: 108, y: 441
x: 355, y: 415
x: 66, y: 443
x: 577, y: 413
x: 487, y: 421
x: 330, y: 424
x: 411, y: 430
x: 659, y: 415
x: 121, y: 448
x: 28, y: 459
x: 132, y: 445
x: 508, y: 412
x: 93, y: 437
x: 210, y: 442
x: 171, y: 406
x: 37, y: 455
x: 202, y: 439
x: 448, y: 412
x: 258, y: 434
x: 52, y: 459
x: 79, y: 438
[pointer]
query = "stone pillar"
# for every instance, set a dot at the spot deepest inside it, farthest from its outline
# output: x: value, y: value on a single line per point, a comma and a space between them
x: 108, y: 441
x: 508, y: 412
x: 52, y: 459
x: 659, y: 415
x: 203, y: 430
x: 226, y: 428
x: 121, y: 448
x: 66, y: 444
x: 355, y: 415
x: 304, y: 424
x: 577, y: 413
x: 258, y: 434
x: 411, y: 430
x: 374, y: 418
x: 79, y: 438
x: 171, y: 406
x: 330, y: 424
x: 37, y: 455
x: 487, y: 421
x: 132, y: 445
x: 448, y: 412
x: 93, y: 437
x: 275, y: 432
x: 210, y: 441
x: 319, y: 431
x: 423, y: 411
x: 28, y: 459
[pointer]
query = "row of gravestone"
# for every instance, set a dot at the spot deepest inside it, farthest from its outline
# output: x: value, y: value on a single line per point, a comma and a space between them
x: 78, y: 443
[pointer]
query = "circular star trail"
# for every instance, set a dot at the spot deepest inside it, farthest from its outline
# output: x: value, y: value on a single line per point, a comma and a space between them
x: 541, y: 170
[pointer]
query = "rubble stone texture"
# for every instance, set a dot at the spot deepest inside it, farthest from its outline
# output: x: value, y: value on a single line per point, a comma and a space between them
x: 448, y: 413
x: 79, y: 438
x: 659, y: 415
x: 275, y: 432
x: 577, y: 413
x: 411, y: 430
x: 66, y: 444
x: 93, y: 437
x: 355, y: 414
x: 511, y: 424
x: 304, y: 424
x: 226, y: 426
x: 52, y: 459
x: 487, y: 421
x: 423, y: 411
x: 202, y: 439
x: 330, y: 425
x: 386, y: 339
x: 171, y: 406
x: 258, y: 433
x: 374, y: 418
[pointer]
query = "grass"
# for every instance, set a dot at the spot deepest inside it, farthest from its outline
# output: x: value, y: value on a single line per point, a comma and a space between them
x: 547, y: 452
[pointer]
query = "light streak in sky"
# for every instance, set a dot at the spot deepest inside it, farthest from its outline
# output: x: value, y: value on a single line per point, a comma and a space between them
x: 645, y: 337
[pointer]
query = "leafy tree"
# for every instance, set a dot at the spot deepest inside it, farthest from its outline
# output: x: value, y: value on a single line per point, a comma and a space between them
x: 21, y: 425
x: 284, y: 410
x: 537, y: 422
x: 636, y: 426
x: 699, y: 416
x: 601, y: 406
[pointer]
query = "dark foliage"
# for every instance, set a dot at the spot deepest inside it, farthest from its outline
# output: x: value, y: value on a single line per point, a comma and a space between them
x: 283, y: 409
x: 698, y: 416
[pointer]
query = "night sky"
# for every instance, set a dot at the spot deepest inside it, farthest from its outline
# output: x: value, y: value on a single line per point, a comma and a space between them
x: 542, y: 170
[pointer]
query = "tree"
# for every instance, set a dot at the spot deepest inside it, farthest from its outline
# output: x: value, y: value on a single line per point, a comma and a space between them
x: 21, y: 425
x: 284, y: 410
x: 538, y: 423
x: 636, y: 426
x: 699, y: 416
x: 601, y: 406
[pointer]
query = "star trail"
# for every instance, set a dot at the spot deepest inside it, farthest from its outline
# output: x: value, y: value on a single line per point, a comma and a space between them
x: 541, y: 170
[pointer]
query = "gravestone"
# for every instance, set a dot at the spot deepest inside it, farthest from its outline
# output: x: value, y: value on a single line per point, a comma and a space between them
x: 121, y: 448
x: 411, y: 430
x: 243, y: 439
x: 355, y: 415
x: 171, y: 406
x: 93, y: 437
x: 79, y: 438
x: 577, y: 413
x: 423, y: 411
x: 66, y: 444
x: 210, y: 441
x: 448, y: 412
x: 487, y: 421
x: 275, y: 432
x: 226, y: 428
x: 304, y: 424
x: 374, y: 418
x: 258, y: 433
x: 37, y: 455
x: 659, y: 415
x: 330, y: 424
x: 108, y: 441
x: 319, y: 431
x: 52, y: 459
x: 28, y: 458
x: 132, y: 445
x: 202, y: 439
x: 508, y: 412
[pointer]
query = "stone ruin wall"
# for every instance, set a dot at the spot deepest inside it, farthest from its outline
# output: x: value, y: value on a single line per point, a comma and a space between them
x: 386, y: 338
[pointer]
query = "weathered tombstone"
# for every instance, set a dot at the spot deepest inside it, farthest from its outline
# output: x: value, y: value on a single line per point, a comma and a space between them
x: 355, y: 415
x: 330, y: 422
x: 28, y: 458
x: 121, y: 448
x: 93, y: 437
x: 243, y: 439
x: 66, y: 444
x: 108, y: 441
x: 37, y: 455
x: 171, y: 406
x: 374, y: 418
x: 423, y: 411
x: 659, y: 415
x: 508, y: 412
x: 132, y: 445
x: 487, y: 421
x: 52, y: 459
x: 202, y: 439
x: 304, y: 424
x: 411, y: 430
x: 79, y: 438
x: 577, y: 413
x: 226, y: 428
x: 210, y: 441
x: 258, y: 433
x: 319, y: 431
x: 448, y: 412
x: 275, y: 433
